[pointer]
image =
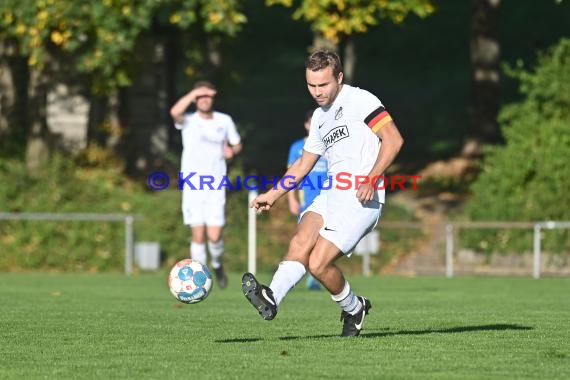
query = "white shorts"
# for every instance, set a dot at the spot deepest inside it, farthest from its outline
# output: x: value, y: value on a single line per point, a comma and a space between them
x: 204, y: 207
x: 346, y: 219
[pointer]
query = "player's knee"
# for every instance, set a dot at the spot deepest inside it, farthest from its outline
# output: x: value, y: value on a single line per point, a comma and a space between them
x: 198, y: 239
x: 316, y: 267
x: 214, y: 236
x: 198, y: 235
x: 215, y: 239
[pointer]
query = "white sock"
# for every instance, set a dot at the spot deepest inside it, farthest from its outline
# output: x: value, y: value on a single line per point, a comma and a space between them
x: 285, y: 278
x: 216, y: 251
x: 198, y: 252
x: 347, y: 300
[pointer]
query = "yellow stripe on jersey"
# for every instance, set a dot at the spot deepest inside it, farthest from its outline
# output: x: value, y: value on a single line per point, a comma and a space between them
x: 381, y: 122
x: 377, y: 119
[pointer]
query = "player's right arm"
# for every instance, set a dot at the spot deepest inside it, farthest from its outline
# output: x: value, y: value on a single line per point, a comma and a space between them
x: 179, y: 108
x: 294, y: 175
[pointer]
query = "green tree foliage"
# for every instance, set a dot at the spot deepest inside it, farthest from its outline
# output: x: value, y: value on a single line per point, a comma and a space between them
x: 101, y: 35
x: 334, y: 19
x: 527, y: 179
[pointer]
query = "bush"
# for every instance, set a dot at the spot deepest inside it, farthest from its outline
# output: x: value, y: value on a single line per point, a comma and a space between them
x: 527, y: 178
x: 78, y: 186
x: 64, y: 187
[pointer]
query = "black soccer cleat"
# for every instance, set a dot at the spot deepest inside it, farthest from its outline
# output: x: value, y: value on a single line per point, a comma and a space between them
x: 353, y: 323
x: 260, y: 296
x: 221, y: 277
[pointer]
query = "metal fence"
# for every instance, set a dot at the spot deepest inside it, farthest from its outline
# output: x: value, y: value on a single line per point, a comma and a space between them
x: 128, y: 219
x: 452, y: 228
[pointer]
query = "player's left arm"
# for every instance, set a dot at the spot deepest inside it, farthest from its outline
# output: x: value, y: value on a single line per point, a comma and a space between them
x: 233, y: 144
x: 231, y: 150
x: 392, y: 142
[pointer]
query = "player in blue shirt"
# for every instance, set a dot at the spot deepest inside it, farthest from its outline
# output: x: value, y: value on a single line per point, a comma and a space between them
x: 302, y: 198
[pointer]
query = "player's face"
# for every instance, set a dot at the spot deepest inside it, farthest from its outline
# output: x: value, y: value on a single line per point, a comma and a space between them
x: 323, y: 85
x: 204, y: 103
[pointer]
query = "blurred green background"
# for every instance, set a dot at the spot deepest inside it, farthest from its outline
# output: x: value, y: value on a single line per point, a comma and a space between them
x: 481, y: 83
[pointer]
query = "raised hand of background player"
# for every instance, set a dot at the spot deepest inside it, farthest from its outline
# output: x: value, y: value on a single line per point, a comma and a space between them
x: 203, y: 91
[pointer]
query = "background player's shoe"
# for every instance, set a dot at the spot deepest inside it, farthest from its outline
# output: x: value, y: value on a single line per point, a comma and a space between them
x: 260, y: 296
x: 221, y: 277
x: 313, y: 283
x: 353, y: 323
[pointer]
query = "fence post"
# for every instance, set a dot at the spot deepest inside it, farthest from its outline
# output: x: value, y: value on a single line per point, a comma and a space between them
x: 366, y: 264
x: 449, y: 250
x: 129, y: 246
x: 251, y: 234
x: 536, y: 250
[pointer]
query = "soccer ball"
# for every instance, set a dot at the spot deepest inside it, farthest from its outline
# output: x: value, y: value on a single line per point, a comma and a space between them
x: 190, y: 281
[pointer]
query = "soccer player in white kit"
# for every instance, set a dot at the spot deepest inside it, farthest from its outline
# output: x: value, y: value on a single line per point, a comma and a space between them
x: 208, y: 139
x: 358, y: 137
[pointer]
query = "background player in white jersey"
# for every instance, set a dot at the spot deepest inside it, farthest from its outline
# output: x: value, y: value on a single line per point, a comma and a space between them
x: 208, y: 139
x: 355, y: 133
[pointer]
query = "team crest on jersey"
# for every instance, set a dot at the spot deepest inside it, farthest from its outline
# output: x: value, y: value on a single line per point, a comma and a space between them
x: 338, y: 113
x: 335, y: 135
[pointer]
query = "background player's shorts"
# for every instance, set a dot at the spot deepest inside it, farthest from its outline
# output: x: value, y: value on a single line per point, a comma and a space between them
x: 201, y: 207
x: 346, y: 219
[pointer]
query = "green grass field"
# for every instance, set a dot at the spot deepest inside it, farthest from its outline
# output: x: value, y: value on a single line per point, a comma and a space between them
x: 72, y: 326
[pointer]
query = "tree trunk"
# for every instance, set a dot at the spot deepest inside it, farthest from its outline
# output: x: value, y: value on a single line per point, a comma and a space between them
x: 143, y: 112
x: 320, y: 42
x: 485, y: 101
x: 98, y: 125
x: 38, y: 147
x: 13, y: 97
x: 214, y: 54
x: 349, y: 61
x: 103, y: 127
x: 348, y: 55
x: 7, y: 92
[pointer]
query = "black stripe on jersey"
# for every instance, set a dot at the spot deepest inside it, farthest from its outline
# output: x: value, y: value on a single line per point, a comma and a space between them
x: 374, y: 113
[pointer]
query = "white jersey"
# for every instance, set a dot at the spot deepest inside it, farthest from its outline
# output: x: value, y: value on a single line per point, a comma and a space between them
x: 340, y: 132
x: 203, y: 144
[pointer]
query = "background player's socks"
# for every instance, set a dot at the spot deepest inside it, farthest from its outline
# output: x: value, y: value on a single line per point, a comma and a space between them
x: 287, y: 275
x: 216, y: 251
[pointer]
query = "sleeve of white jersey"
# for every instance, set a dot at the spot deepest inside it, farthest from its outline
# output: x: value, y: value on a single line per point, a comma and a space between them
x: 232, y: 134
x: 367, y: 103
x: 314, y: 144
x: 184, y: 122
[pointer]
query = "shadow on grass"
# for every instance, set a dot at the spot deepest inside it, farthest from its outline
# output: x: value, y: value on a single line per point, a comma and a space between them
x: 238, y: 340
x: 452, y: 330
x: 386, y: 333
